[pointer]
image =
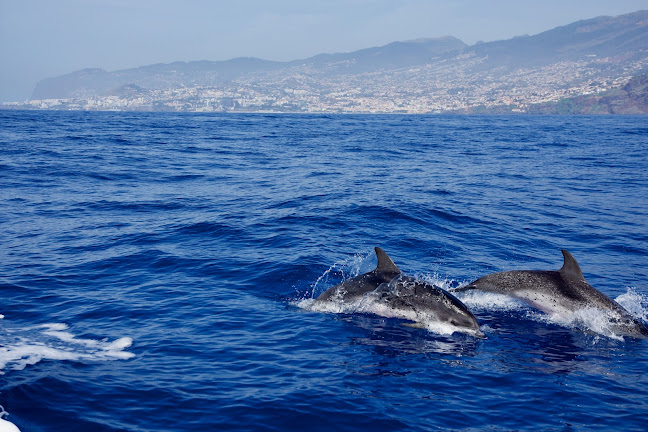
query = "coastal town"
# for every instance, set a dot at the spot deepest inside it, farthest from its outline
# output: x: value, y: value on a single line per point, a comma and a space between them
x: 444, y: 86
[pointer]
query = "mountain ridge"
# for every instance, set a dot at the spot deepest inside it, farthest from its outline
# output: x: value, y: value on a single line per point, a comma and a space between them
x: 96, y: 81
x: 612, y: 34
x: 427, y: 74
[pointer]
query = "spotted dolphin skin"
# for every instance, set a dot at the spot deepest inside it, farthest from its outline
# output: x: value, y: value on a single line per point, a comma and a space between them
x: 419, y: 301
x: 385, y: 291
x: 559, y: 292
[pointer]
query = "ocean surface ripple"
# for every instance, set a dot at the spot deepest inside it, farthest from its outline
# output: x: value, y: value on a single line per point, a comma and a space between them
x: 152, y: 268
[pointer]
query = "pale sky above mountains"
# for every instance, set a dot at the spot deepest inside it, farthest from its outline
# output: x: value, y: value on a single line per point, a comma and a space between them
x: 45, y: 38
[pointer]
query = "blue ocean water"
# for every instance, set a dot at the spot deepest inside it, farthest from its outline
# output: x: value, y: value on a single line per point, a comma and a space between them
x: 153, y: 265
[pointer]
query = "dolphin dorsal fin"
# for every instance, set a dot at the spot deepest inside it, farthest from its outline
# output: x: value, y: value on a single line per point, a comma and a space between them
x: 385, y: 264
x: 570, y: 266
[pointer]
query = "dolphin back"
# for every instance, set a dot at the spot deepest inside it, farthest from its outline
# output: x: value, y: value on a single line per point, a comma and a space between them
x: 358, y: 286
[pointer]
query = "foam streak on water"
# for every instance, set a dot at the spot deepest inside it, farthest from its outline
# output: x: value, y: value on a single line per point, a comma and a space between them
x: 25, y: 346
x: 176, y: 246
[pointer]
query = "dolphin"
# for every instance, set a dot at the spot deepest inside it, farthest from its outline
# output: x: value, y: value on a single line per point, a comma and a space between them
x: 385, y: 291
x: 561, y: 292
x: 419, y: 301
x: 354, y: 288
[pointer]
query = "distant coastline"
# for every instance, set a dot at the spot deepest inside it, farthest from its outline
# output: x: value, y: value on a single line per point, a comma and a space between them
x: 595, y: 66
x: 630, y: 99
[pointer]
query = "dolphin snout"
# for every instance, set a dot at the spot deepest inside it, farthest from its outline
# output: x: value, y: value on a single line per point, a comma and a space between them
x: 641, y: 330
x: 470, y: 286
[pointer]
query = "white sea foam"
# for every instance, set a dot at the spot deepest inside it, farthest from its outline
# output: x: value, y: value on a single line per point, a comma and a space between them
x: 589, y: 319
x: 24, y: 346
x: 635, y: 303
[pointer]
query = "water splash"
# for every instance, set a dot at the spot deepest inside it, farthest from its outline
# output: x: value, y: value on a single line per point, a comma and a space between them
x: 342, y: 270
x: 636, y: 304
x: 24, y: 346
x: 590, y: 320
x: 437, y: 280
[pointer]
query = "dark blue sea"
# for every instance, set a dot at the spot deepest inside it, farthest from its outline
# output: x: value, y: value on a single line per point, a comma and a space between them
x: 154, y: 269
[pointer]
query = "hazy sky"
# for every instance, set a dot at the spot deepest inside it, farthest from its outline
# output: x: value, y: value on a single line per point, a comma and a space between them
x: 45, y: 38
